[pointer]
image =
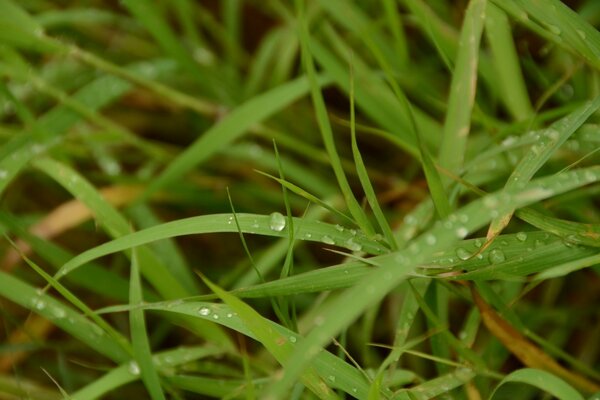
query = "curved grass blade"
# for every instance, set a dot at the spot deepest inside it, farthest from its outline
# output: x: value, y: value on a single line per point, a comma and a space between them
x: 249, y: 223
x: 326, y: 364
x: 542, y: 380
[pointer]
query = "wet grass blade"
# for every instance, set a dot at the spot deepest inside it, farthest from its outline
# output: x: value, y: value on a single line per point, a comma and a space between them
x: 547, y: 143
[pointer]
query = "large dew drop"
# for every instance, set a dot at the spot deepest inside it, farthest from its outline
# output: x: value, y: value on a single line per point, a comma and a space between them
x: 496, y: 256
x: 277, y: 222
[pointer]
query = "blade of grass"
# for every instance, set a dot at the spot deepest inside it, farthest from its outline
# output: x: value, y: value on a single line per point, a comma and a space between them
x: 326, y: 132
x: 364, y: 176
x: 139, y: 339
x: 462, y: 89
x: 542, y: 380
x: 504, y: 54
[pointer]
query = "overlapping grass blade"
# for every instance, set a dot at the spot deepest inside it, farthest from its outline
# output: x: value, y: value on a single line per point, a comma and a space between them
x: 398, y: 266
x: 279, y: 346
x: 547, y: 143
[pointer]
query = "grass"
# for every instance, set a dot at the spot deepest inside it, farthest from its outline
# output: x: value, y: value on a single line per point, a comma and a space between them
x: 317, y: 199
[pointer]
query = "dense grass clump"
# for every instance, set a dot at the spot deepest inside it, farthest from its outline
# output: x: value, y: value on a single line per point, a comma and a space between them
x: 317, y: 199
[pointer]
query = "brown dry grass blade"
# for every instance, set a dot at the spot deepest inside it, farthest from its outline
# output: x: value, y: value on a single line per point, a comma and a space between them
x: 527, y: 352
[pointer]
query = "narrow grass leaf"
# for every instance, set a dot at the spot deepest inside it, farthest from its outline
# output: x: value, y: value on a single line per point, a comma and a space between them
x: 542, y: 380
x: 139, y: 338
x: 364, y: 177
x: 462, y: 89
x: 327, y: 134
x: 512, y: 86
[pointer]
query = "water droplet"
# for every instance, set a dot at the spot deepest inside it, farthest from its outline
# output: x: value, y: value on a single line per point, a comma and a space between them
x: 339, y: 228
x: 308, y: 235
x: 229, y: 315
x: 503, y: 243
x: 276, y: 222
x: 462, y: 335
x: 413, y: 248
x: 3, y: 174
x: 327, y: 240
x: 497, y: 256
x: 461, y: 232
x: 552, y: 134
x: 554, y: 29
x: 464, y: 218
x: 353, y: 232
x: 410, y: 219
x: 478, y: 243
x: 490, y: 201
x: 204, y: 311
x: 521, y: 236
x: 509, y: 141
x: 331, y: 378
x: 463, y: 254
x: 293, y: 339
x: 59, y: 313
x: 215, y: 316
x: 581, y: 34
x: 39, y: 304
x: 134, y: 368
x: 354, y: 390
x: 430, y: 239
x: 352, y: 245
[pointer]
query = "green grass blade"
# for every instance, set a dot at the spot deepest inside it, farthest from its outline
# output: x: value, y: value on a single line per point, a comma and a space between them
x: 364, y: 178
x: 327, y: 134
x: 462, y: 89
x: 506, y: 62
x: 139, y: 338
x: 542, y: 380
